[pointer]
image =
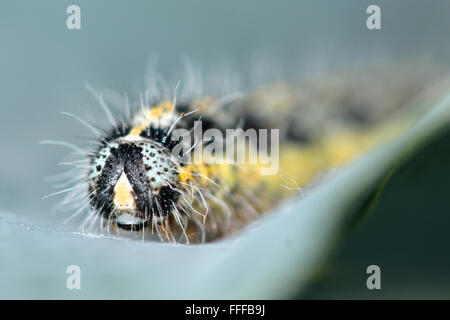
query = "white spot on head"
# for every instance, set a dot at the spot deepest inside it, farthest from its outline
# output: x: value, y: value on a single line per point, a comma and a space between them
x: 159, y: 167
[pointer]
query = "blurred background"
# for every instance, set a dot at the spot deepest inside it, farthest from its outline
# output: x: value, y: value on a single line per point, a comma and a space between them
x: 43, y: 66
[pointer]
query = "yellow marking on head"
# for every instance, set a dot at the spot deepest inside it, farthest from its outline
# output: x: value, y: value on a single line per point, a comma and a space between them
x: 124, y: 194
x: 166, y: 105
x: 136, y: 131
x: 185, y: 174
x: 157, y: 111
x: 147, y: 116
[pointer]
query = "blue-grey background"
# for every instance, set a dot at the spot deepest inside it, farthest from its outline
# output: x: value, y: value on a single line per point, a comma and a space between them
x: 43, y: 66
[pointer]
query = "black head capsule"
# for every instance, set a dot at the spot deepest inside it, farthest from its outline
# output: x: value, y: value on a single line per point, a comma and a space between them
x: 134, y: 183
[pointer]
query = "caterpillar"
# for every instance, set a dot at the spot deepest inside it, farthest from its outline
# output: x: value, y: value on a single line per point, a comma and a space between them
x: 136, y: 181
x: 143, y: 180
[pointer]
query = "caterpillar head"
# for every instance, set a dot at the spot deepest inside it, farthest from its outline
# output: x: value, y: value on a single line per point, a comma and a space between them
x: 132, y: 180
